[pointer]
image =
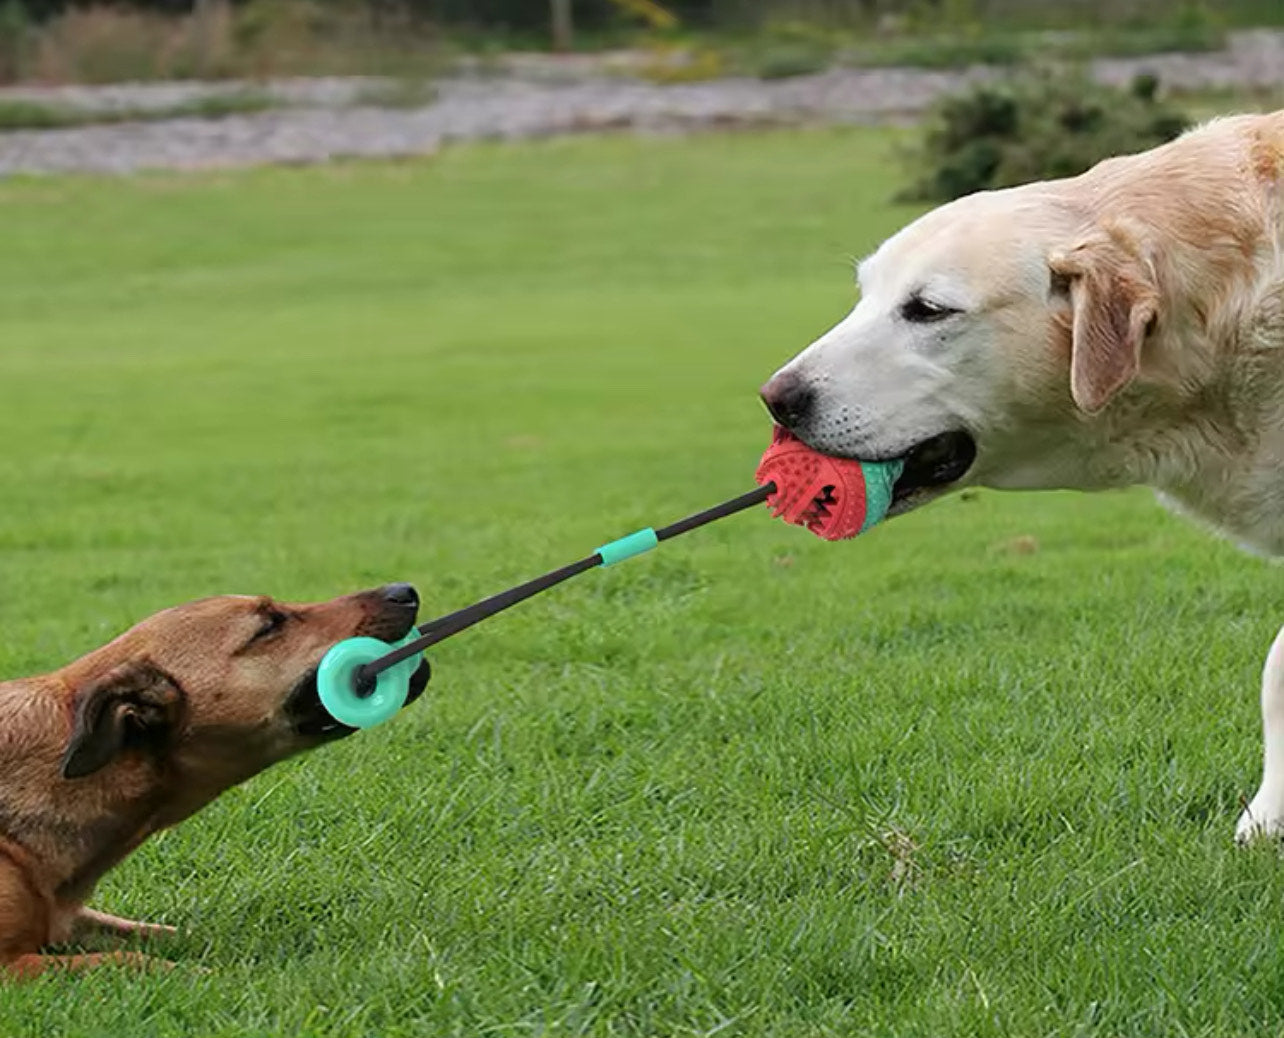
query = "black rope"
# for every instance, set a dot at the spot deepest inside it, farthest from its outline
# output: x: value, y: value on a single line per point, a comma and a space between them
x: 444, y: 627
x: 737, y: 504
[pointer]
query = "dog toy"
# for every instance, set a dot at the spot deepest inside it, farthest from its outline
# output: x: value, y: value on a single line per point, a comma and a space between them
x: 834, y: 498
x: 364, y: 681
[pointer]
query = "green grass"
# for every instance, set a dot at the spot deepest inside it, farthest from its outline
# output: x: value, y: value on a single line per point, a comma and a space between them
x: 926, y: 783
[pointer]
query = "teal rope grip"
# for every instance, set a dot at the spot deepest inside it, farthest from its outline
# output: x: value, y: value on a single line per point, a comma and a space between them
x: 626, y: 547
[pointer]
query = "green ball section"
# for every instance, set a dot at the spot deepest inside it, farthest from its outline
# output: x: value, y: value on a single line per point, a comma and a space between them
x: 336, y: 681
x: 880, y: 477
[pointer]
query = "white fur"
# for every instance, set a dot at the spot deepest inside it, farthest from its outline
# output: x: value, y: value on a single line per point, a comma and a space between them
x: 1192, y: 231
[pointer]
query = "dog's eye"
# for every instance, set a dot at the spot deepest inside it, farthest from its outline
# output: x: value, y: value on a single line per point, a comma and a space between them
x: 272, y: 621
x: 918, y: 310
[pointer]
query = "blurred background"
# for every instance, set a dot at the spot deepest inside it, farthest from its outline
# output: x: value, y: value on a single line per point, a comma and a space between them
x: 309, y: 80
x: 53, y: 40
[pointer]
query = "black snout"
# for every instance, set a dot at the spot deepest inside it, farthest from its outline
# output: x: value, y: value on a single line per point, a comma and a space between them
x: 401, y: 594
x: 788, y: 399
x: 390, y: 611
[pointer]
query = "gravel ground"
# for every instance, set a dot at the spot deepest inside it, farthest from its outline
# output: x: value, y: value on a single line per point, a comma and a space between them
x: 326, y: 118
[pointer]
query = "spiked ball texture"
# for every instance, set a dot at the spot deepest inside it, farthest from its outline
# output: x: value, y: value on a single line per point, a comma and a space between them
x: 835, y: 498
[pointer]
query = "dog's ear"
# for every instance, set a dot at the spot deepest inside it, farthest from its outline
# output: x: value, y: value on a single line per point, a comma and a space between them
x: 133, y: 706
x: 1115, y: 303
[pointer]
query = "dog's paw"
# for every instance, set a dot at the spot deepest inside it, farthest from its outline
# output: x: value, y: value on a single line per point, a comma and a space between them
x: 1263, y: 818
x: 154, y: 930
x: 90, y: 919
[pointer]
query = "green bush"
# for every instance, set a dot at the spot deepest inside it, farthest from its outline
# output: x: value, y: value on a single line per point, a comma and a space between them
x: 30, y: 115
x: 793, y: 48
x: 15, y: 40
x: 783, y: 60
x: 1034, y: 127
x: 958, y: 50
x: 35, y: 115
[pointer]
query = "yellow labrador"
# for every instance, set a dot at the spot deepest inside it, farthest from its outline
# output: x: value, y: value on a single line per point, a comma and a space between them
x: 1121, y: 327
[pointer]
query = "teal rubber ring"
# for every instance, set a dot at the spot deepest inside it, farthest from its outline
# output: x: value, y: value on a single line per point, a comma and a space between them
x: 880, y: 477
x: 336, y: 682
x: 627, y: 547
x: 410, y: 664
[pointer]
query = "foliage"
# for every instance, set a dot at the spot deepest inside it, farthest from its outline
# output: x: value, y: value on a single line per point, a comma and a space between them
x: 648, y: 11
x: 104, y: 44
x: 674, y: 63
x: 782, y: 60
x: 36, y: 115
x: 15, y: 40
x: 789, y: 48
x: 151, y: 39
x: 957, y: 49
x: 531, y: 16
x: 1037, y: 126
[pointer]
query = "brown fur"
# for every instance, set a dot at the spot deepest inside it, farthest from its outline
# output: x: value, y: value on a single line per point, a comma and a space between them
x: 138, y: 735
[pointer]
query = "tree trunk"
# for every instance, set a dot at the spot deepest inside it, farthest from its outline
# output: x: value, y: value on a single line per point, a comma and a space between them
x: 563, y: 27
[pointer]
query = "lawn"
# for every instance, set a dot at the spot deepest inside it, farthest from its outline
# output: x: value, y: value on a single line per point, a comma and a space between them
x: 975, y: 773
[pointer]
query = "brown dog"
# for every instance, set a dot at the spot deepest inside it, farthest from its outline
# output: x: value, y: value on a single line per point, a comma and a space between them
x: 143, y: 732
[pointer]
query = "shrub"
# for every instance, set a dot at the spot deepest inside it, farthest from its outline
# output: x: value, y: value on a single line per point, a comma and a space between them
x: 958, y: 50
x: 668, y: 63
x: 28, y: 115
x: 783, y: 60
x: 15, y: 40
x: 217, y: 39
x: 1035, y: 127
x: 104, y: 45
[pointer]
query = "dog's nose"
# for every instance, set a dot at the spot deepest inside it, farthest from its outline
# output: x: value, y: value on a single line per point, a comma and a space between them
x: 401, y: 594
x: 788, y: 399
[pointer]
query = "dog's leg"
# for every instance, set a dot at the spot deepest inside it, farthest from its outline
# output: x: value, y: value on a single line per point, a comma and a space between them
x: 90, y: 920
x: 1265, y: 815
x: 27, y: 966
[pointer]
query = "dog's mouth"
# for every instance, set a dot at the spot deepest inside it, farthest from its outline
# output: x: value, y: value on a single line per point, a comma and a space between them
x: 931, y: 468
x: 309, y: 719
